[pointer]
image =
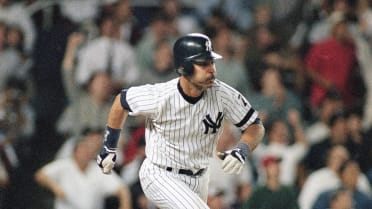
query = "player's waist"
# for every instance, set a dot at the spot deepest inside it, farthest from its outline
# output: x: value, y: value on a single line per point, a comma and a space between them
x: 187, y: 172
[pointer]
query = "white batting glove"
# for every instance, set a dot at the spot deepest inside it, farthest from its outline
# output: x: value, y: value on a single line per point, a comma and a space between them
x: 234, y: 159
x: 106, y: 159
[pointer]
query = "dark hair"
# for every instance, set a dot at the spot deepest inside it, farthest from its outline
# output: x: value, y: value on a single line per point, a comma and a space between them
x: 13, y: 82
x: 345, y: 164
x: 335, y: 117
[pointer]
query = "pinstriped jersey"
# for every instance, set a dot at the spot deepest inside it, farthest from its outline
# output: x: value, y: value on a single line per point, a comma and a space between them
x: 181, y: 134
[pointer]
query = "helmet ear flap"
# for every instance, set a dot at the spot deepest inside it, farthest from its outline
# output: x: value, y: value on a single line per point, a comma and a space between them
x: 186, y: 68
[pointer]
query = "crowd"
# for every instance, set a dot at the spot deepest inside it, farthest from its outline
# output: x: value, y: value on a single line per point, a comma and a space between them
x: 305, y: 65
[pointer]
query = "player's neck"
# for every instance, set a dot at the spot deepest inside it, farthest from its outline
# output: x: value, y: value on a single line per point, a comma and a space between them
x: 189, y: 88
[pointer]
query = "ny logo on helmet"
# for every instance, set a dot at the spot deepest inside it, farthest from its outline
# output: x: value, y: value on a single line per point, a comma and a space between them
x: 208, y: 46
x: 213, y: 125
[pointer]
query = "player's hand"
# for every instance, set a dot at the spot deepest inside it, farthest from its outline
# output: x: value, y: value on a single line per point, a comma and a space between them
x: 106, y: 159
x: 233, y: 161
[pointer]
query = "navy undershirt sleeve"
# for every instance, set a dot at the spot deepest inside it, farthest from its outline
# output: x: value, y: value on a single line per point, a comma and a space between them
x: 123, y: 100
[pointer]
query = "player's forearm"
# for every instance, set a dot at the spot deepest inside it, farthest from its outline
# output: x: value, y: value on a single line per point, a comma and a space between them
x: 253, y: 135
x: 117, y: 115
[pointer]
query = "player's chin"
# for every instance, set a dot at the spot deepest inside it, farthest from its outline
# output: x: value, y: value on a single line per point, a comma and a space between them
x: 209, y: 82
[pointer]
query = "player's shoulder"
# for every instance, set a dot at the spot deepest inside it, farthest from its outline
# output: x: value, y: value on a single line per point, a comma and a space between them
x: 165, y: 87
x: 156, y: 89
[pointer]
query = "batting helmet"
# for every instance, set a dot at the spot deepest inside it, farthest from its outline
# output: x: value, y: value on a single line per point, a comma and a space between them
x: 194, y: 47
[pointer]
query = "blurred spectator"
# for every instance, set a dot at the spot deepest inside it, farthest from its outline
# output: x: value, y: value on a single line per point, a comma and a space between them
x: 15, y: 13
x: 17, y: 126
x: 215, y: 200
x: 316, y: 157
x: 330, y: 13
x: 272, y: 194
x: 231, y: 70
x: 181, y: 22
x: 158, y: 29
x: 4, y: 181
x: 314, y: 12
x: 341, y: 199
x: 90, y: 133
x: 364, y: 53
x: 290, y: 66
x: 107, y: 53
x: 82, y: 14
x: 238, y: 12
x: 291, y: 149
x: 129, y: 29
x: 17, y: 122
x: 77, y: 182
x: 327, y: 177
x: 229, y: 190
x: 349, y: 173
x: 274, y: 100
x: 260, y: 37
x: 368, y: 155
x: 80, y: 11
x: 161, y: 68
x: 284, y: 11
x: 319, y: 129
x: 132, y: 163
x: 9, y: 58
x: 330, y: 63
x: 96, y: 95
x: 359, y: 142
x: 131, y: 166
x: 364, y: 14
x: 15, y: 41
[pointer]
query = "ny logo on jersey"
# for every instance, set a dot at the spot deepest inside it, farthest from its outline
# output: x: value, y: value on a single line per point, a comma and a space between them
x: 208, y: 46
x: 214, y: 125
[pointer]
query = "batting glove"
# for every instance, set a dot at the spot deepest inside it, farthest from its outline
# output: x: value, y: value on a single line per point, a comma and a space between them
x: 106, y: 159
x: 233, y: 160
x: 107, y: 156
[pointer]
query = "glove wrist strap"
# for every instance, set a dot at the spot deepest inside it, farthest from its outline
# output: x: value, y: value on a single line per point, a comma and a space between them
x: 244, y: 149
x: 111, y: 137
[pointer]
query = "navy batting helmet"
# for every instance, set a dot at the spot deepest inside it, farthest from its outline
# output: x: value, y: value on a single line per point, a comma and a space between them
x: 194, y: 47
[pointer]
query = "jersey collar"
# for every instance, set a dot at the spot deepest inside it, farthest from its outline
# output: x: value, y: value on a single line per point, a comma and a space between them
x: 191, y: 100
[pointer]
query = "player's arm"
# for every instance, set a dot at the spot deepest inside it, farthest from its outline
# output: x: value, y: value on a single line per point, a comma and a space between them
x: 234, y: 159
x: 117, y: 115
x: 253, y: 135
x: 116, y: 118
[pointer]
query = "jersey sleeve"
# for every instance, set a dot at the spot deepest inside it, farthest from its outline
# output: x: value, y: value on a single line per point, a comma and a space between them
x: 238, y: 109
x: 139, y: 100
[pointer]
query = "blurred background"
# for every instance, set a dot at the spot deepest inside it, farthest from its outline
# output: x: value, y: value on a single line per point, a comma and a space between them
x: 306, y: 65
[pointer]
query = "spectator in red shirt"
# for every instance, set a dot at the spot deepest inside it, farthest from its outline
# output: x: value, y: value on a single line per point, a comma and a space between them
x: 330, y: 62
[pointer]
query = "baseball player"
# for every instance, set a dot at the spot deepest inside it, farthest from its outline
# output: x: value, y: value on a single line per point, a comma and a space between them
x: 184, y: 121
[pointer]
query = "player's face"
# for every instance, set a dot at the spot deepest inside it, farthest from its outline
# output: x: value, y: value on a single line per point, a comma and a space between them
x: 204, y: 74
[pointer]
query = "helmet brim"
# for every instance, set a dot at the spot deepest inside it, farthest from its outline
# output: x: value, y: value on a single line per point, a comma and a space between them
x: 207, y: 56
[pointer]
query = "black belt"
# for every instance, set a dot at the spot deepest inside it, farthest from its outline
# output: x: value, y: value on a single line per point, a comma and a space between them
x: 187, y: 172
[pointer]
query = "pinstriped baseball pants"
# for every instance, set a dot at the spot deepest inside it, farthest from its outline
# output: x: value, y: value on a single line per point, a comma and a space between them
x: 169, y: 190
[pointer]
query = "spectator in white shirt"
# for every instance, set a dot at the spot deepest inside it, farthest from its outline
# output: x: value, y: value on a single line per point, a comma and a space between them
x: 77, y: 182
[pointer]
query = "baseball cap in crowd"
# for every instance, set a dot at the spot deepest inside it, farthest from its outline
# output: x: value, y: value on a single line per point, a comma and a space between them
x: 267, y: 160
